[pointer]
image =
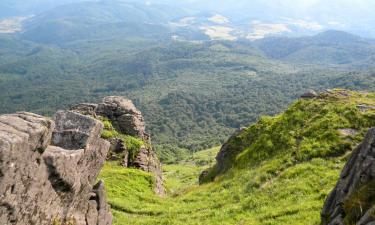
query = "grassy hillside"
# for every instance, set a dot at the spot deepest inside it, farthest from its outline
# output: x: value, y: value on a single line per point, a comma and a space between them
x: 280, y: 173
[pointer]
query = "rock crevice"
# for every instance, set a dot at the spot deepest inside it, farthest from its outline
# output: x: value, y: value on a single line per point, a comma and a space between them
x: 128, y: 120
x: 352, y: 201
x: 49, y: 169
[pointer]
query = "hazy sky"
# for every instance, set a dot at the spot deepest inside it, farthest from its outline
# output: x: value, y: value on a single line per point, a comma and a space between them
x: 293, y: 5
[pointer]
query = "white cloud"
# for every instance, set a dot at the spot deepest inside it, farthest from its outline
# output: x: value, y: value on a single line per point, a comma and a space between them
x: 219, y: 19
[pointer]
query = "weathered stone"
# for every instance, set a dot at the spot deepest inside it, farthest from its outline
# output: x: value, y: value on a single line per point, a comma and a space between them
x: 128, y: 120
x: 351, y: 201
x: 309, y: 94
x: 42, y: 183
x: 148, y: 161
x: 118, y: 151
x: 203, y: 176
x: 124, y: 115
x: 85, y: 109
x: 364, y: 107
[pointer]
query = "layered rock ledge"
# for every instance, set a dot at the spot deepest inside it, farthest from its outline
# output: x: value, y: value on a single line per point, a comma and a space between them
x: 352, y: 201
x: 128, y: 120
x: 48, y: 170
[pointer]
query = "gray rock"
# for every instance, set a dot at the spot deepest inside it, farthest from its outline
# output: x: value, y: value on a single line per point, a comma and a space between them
x: 309, y: 94
x: 45, y: 176
x: 88, y: 109
x: 148, y: 161
x: 124, y: 115
x: 364, y: 107
x: 128, y: 120
x: 351, y: 201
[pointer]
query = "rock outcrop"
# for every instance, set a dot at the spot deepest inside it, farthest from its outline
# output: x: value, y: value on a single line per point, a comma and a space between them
x: 128, y: 120
x: 48, y: 170
x: 309, y: 94
x: 352, y: 201
x: 124, y: 116
x: 148, y: 161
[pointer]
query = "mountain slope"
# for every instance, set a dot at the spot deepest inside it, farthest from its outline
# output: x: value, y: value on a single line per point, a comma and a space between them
x: 102, y: 19
x: 280, y: 172
x: 330, y: 47
x: 324, y: 127
x: 29, y: 7
x: 194, y: 95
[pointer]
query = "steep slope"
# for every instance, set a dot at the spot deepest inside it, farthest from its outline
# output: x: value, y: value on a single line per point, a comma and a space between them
x: 277, y: 171
x: 352, y: 200
x: 326, y: 126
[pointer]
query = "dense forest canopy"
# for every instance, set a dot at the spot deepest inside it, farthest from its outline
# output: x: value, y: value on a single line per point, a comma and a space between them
x: 194, y: 89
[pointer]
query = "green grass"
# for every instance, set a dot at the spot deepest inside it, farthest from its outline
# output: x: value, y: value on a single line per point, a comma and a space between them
x: 133, y: 144
x: 184, y: 175
x: 307, y: 129
x: 239, y: 197
x: 270, y: 179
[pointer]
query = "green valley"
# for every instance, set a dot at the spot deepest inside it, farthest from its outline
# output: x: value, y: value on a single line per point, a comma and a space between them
x: 161, y: 112
x: 277, y: 171
x: 193, y: 95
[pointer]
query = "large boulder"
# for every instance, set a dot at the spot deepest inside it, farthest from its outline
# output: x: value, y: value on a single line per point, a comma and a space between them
x: 309, y: 94
x: 148, y: 161
x: 352, y: 201
x: 48, y: 170
x: 128, y: 120
x: 124, y: 116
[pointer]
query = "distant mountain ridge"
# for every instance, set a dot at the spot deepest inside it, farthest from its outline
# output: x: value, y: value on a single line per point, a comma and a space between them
x: 95, y: 20
x: 335, y: 47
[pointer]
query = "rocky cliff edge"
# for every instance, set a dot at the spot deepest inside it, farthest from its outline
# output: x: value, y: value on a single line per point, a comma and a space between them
x: 48, y: 170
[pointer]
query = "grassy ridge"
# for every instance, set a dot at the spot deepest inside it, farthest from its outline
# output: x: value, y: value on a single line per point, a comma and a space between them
x: 241, y: 197
x: 273, y: 178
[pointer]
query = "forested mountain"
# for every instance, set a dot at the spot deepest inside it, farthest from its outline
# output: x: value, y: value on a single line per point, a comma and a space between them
x: 193, y: 95
x: 330, y: 47
x: 28, y: 7
x: 103, y: 19
x: 199, y: 72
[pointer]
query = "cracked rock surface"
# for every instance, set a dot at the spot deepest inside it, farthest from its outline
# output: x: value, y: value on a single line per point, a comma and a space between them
x: 352, y: 201
x: 48, y: 170
x: 128, y: 120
